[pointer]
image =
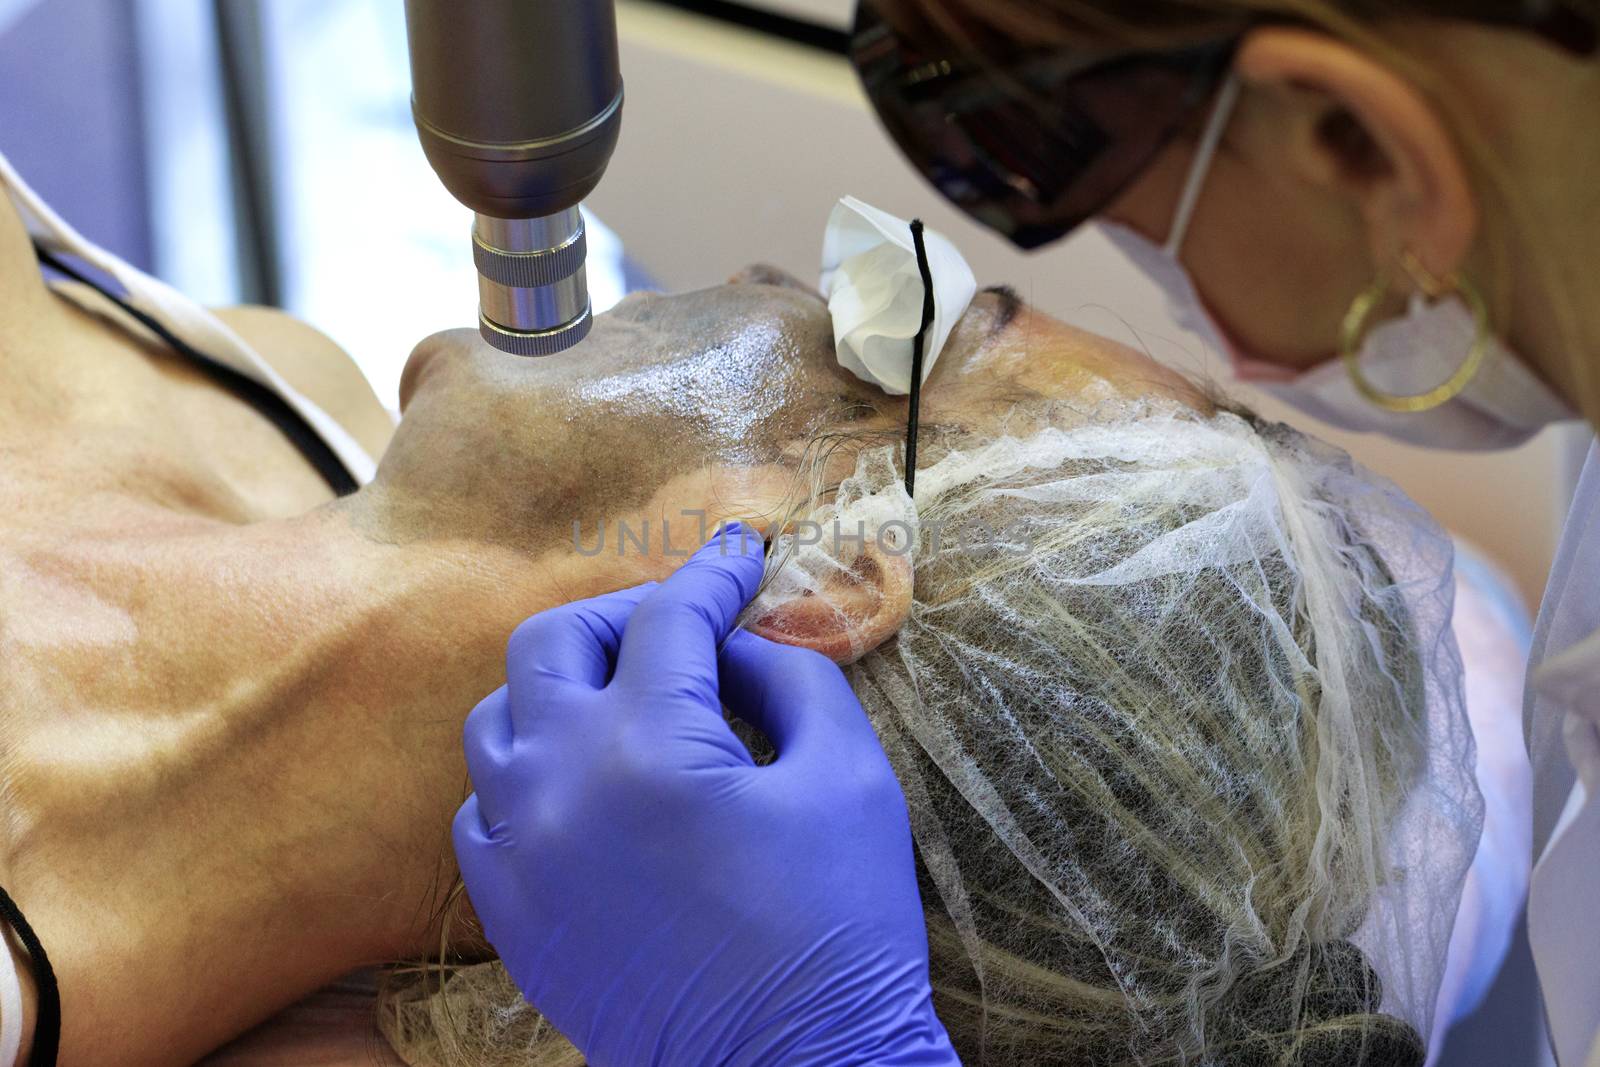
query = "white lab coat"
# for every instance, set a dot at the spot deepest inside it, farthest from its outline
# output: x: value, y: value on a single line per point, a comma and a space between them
x: 1562, y: 721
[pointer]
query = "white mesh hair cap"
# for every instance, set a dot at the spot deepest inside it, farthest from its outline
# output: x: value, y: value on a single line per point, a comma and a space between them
x: 1176, y: 709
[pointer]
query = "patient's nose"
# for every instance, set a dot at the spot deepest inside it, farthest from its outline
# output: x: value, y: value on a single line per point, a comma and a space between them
x: 765, y: 274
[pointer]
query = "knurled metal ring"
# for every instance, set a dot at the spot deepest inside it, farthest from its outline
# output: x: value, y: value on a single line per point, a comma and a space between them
x: 543, y: 343
x: 530, y: 270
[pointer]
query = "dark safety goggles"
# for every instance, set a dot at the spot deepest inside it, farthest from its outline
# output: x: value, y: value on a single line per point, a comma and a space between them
x: 1033, y: 145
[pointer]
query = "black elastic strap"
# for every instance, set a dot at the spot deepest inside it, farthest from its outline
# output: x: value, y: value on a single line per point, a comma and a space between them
x: 272, y: 407
x: 918, y: 346
x: 47, y: 1020
x: 752, y: 17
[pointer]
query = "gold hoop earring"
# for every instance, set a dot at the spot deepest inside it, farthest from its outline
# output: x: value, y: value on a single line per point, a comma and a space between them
x: 1355, y: 330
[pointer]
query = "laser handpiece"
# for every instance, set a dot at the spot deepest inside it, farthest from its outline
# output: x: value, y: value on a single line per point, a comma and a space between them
x: 518, y: 104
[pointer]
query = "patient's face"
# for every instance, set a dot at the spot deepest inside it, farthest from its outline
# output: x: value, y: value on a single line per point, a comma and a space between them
x: 702, y: 402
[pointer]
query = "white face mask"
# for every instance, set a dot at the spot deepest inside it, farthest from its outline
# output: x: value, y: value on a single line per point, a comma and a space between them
x: 1502, y: 407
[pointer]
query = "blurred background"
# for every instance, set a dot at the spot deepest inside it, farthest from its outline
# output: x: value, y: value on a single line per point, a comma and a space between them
x: 262, y: 151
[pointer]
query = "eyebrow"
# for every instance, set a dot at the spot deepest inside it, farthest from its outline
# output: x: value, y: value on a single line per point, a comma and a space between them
x: 1010, y: 306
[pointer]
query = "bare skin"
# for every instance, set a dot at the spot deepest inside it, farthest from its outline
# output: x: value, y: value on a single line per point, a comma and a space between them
x: 230, y: 718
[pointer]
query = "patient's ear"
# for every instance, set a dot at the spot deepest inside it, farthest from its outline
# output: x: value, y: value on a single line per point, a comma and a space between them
x: 844, y: 608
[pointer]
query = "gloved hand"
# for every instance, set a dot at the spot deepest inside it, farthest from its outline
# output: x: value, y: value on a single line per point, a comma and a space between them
x: 659, y: 897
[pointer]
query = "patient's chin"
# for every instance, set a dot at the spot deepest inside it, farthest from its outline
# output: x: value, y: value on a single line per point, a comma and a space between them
x: 847, y: 616
x: 423, y: 356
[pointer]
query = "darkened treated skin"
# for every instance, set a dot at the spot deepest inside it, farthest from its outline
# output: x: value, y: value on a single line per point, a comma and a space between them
x: 676, y: 393
x: 230, y: 708
x: 725, y: 378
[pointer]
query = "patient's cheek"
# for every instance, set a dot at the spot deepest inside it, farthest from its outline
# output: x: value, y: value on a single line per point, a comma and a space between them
x: 842, y: 611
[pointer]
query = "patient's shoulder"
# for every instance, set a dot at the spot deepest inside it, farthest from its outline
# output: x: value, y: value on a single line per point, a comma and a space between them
x: 307, y: 358
x: 315, y: 365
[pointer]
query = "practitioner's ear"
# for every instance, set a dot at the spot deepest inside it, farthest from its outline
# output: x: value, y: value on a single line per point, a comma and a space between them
x: 1346, y: 124
x: 848, y: 609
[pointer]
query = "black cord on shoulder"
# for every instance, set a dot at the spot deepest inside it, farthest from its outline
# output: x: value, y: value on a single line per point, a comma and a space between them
x: 918, y: 348
x: 272, y: 407
x: 47, y: 1019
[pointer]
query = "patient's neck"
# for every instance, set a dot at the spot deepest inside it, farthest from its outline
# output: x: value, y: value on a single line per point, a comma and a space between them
x: 234, y: 752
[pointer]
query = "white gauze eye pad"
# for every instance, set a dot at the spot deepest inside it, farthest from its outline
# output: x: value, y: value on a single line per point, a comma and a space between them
x: 873, y: 284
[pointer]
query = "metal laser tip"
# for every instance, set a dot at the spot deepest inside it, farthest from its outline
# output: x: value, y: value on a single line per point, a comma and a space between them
x: 533, y: 290
x: 550, y: 343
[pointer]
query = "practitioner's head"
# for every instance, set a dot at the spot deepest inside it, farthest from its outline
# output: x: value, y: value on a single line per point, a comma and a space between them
x: 1456, y: 132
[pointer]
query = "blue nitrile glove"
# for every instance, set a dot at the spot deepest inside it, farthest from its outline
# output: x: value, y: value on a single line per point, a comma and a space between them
x: 659, y: 897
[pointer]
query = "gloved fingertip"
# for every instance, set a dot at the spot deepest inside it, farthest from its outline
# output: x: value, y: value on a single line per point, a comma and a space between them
x: 737, y: 538
x: 739, y: 549
x: 676, y: 630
